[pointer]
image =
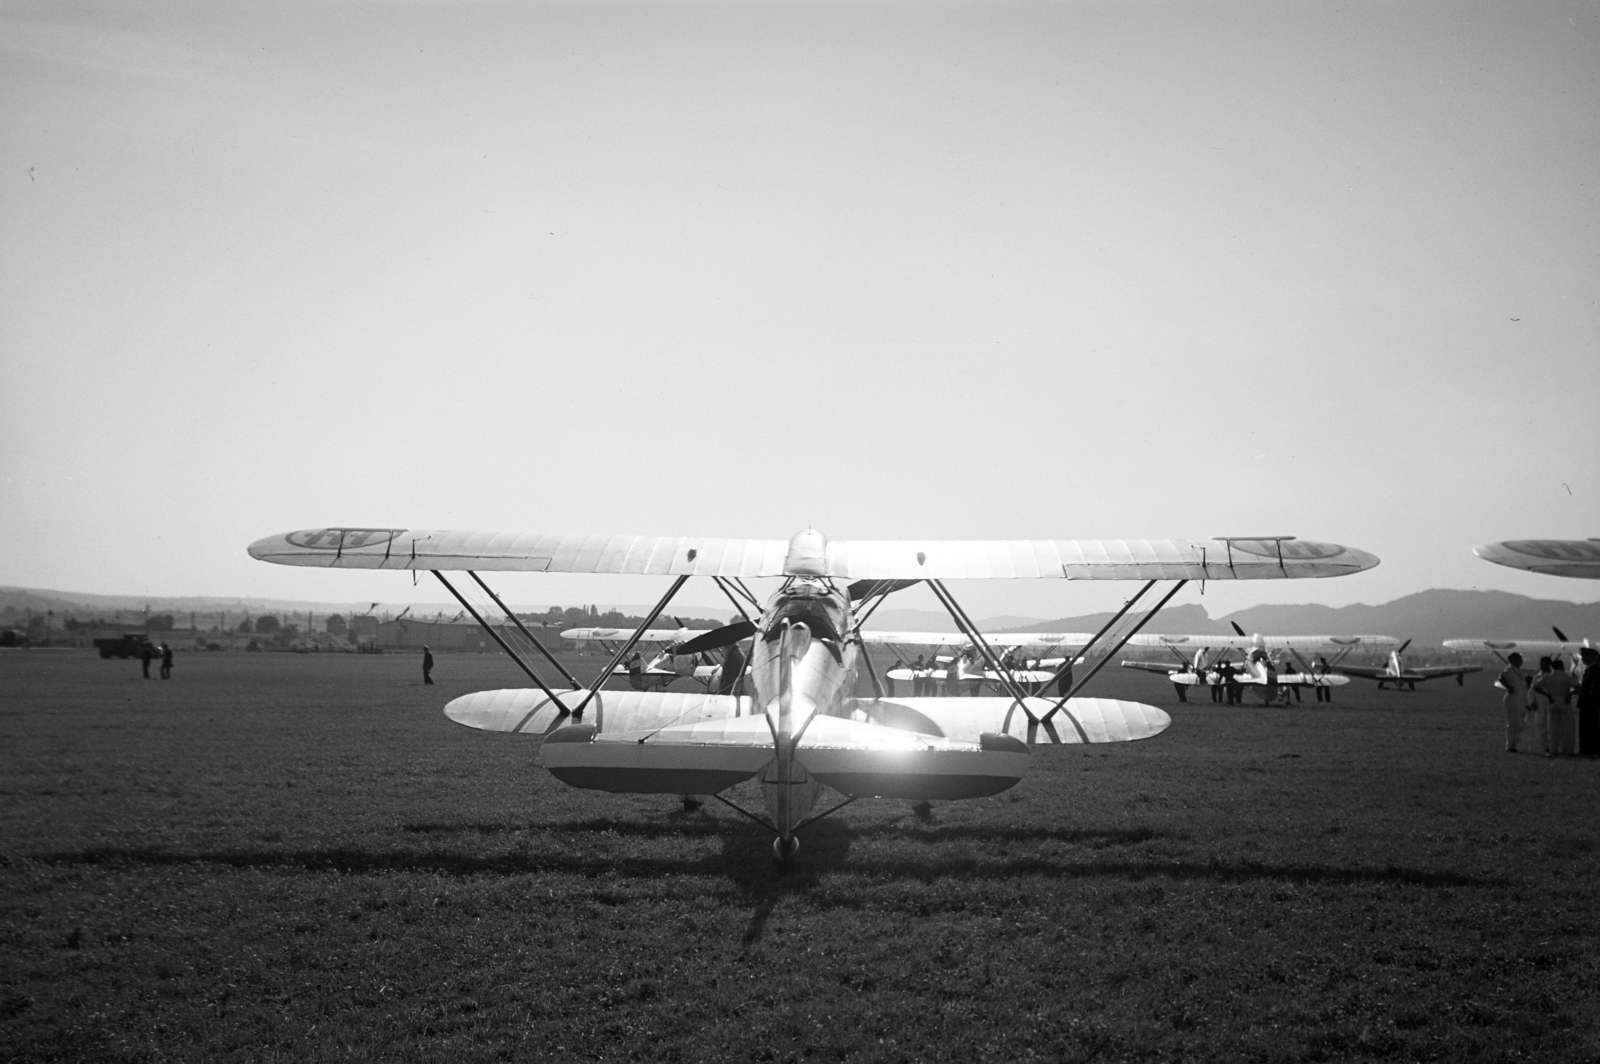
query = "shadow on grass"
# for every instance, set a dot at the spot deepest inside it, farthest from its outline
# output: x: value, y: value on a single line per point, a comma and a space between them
x: 692, y: 825
x: 746, y: 858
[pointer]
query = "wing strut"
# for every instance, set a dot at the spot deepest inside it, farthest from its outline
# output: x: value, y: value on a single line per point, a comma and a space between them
x: 970, y: 630
x: 1082, y: 654
x: 1102, y: 663
x: 622, y: 652
x: 562, y: 669
x: 723, y: 587
x: 523, y: 665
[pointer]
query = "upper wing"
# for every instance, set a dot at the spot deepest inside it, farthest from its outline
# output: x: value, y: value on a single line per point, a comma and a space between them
x: 1081, y: 559
x: 1528, y: 646
x: 1557, y: 557
x: 1277, y: 642
x: 651, y: 635
x: 994, y: 639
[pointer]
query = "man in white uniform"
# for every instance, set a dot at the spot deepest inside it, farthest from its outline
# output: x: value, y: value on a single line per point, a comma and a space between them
x: 1516, y: 699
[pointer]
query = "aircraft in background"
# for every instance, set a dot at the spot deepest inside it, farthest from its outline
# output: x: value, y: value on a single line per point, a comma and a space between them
x: 801, y: 729
x: 670, y: 663
x: 1259, y: 672
x: 1530, y: 649
x: 1033, y: 659
x: 1554, y: 557
x: 1403, y: 678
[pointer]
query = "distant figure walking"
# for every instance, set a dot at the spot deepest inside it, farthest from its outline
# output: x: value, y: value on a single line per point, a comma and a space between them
x: 1216, y: 685
x: 166, y: 662
x: 1589, y: 703
x: 1515, y: 701
x: 1324, y: 689
x: 427, y: 667
x: 1556, y: 686
x: 147, y: 654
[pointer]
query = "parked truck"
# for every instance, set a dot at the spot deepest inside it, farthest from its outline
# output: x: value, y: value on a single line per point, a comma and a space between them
x: 127, y: 645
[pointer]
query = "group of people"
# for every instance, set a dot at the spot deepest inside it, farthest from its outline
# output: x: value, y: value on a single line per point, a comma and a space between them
x: 1550, y: 697
x: 149, y: 653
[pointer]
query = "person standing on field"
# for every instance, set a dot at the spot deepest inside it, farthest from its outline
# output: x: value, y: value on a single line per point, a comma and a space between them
x: 166, y: 662
x: 1556, y: 686
x: 1516, y: 688
x: 147, y: 654
x: 427, y: 667
x: 1539, y: 705
x: 1589, y: 703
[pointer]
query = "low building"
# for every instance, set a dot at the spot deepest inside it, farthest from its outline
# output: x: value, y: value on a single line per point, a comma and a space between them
x: 409, y: 634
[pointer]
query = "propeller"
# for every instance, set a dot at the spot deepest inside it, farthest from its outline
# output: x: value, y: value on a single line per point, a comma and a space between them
x: 1236, y: 628
x: 860, y: 589
x: 1401, y: 649
x: 1560, y: 634
x: 717, y: 638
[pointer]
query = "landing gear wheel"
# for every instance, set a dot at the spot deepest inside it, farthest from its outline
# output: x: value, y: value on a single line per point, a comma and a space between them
x: 785, y: 849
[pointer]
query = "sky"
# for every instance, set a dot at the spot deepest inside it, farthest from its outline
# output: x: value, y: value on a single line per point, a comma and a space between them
x: 932, y: 270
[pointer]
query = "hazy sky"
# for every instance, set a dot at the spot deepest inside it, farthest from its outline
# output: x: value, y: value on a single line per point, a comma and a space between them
x: 931, y: 270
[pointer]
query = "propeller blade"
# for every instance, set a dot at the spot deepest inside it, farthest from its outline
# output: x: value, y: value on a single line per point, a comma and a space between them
x: 1236, y: 627
x: 717, y: 638
x: 1403, y: 646
x: 1560, y: 634
x: 863, y: 588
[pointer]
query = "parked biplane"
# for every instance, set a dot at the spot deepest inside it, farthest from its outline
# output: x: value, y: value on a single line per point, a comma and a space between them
x: 1259, y: 672
x: 1032, y: 659
x: 669, y: 663
x: 797, y: 725
x: 1554, y: 557
x: 1530, y: 649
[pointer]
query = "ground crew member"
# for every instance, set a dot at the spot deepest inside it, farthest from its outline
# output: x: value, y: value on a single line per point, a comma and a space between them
x: 166, y: 662
x: 427, y: 667
x: 1216, y: 685
x: 919, y: 677
x: 1516, y: 687
x: 147, y: 654
x: 1556, y: 687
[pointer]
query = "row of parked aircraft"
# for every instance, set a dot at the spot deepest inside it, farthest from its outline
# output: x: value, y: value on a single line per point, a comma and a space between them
x: 791, y: 720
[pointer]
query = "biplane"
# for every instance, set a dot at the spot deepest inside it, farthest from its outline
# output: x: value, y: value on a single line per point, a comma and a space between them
x: 1396, y: 672
x: 1554, y: 557
x: 1259, y: 672
x: 796, y: 723
x: 1530, y: 649
x: 670, y: 662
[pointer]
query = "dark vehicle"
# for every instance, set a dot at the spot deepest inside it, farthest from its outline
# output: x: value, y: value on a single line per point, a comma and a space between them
x: 129, y: 645
x: 12, y: 638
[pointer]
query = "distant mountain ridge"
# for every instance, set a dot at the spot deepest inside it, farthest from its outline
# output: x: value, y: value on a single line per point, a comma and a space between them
x: 1428, y: 617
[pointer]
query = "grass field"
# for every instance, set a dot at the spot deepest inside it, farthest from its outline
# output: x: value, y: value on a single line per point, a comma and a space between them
x: 292, y: 857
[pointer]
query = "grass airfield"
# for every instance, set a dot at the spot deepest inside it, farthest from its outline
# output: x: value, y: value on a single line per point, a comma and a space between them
x: 292, y: 857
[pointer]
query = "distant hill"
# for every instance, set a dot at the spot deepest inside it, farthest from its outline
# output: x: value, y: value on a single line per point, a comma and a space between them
x: 1428, y: 617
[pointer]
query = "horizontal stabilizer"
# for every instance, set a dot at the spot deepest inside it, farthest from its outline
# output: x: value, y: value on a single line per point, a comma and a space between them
x: 1081, y: 720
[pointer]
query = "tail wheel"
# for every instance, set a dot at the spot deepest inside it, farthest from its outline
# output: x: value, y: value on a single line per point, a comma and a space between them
x: 784, y: 849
